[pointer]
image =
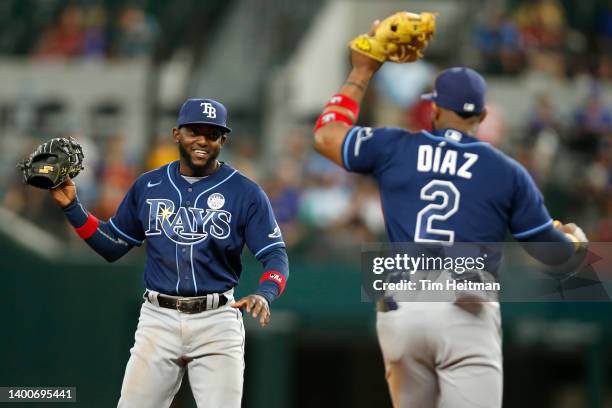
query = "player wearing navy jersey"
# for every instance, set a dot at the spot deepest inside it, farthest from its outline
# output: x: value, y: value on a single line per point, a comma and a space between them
x: 196, y: 214
x: 442, y: 186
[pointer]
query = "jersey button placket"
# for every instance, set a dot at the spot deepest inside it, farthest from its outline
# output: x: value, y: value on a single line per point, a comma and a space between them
x: 186, y: 264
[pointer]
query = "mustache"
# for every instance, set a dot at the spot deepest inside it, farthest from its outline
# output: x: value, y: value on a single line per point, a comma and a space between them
x: 187, y: 157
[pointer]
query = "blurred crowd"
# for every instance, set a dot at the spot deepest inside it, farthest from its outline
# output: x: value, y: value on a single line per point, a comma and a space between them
x: 568, y: 151
x: 107, y: 176
x: 543, y: 35
x: 87, y: 32
x: 570, y: 156
x: 320, y: 206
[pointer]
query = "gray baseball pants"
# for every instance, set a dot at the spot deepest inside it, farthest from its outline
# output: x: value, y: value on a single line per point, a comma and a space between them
x: 440, y: 354
x: 209, y: 344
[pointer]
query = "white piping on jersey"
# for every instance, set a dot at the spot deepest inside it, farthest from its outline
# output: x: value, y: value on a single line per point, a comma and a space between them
x: 151, y: 171
x: 195, y: 204
x: 345, y: 148
x: 118, y: 241
x: 268, y: 246
x: 178, y: 274
x: 532, y: 230
x: 123, y: 233
x: 174, y: 185
x: 195, y: 285
x: 178, y: 270
x: 83, y: 209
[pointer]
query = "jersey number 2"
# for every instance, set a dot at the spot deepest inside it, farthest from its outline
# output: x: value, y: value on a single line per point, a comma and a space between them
x: 433, y: 191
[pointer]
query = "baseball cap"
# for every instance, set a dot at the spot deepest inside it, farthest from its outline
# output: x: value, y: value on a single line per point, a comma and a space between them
x: 459, y: 89
x: 204, y: 111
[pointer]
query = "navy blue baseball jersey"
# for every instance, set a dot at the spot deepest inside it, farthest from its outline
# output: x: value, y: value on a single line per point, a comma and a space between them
x: 445, y: 186
x: 196, y: 232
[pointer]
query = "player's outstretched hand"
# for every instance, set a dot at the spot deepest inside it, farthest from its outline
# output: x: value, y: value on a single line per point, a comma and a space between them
x: 573, y: 232
x: 360, y: 61
x: 571, y: 228
x: 65, y: 193
x: 257, y: 305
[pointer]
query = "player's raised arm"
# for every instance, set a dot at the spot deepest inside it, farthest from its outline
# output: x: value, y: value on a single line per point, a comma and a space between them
x: 51, y: 167
x: 342, y: 110
x: 399, y: 38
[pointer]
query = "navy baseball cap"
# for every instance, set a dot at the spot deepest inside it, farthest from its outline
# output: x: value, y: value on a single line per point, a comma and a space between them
x: 204, y: 111
x: 459, y: 89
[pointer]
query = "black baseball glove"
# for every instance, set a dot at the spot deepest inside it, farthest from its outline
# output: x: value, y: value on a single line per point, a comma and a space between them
x: 52, y: 162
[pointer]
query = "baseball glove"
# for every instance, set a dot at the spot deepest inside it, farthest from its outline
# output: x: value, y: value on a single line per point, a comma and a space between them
x: 398, y: 38
x: 52, y: 162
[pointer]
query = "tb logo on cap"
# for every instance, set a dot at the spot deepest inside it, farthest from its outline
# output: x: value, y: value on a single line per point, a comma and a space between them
x: 209, y: 110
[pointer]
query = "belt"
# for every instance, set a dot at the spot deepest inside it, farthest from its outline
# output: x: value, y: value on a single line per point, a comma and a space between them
x: 188, y: 305
x: 386, y: 304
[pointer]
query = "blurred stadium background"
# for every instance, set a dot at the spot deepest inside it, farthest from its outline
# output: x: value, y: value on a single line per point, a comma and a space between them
x: 113, y: 74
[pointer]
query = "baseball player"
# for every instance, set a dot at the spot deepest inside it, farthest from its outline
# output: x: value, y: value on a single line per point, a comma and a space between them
x: 196, y: 215
x: 442, y: 186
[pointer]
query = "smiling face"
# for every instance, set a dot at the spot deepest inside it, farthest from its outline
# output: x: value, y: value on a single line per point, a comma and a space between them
x: 199, y: 146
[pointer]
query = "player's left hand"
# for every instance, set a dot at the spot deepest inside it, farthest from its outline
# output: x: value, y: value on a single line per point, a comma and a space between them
x: 361, y: 61
x: 64, y: 194
x: 400, y: 37
x: 257, y: 305
x: 574, y: 231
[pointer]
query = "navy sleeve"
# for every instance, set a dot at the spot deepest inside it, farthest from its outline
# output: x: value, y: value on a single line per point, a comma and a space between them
x: 262, y: 233
x: 273, y: 261
x: 366, y: 150
x: 126, y: 222
x: 528, y: 214
x: 554, y: 249
x: 104, y: 241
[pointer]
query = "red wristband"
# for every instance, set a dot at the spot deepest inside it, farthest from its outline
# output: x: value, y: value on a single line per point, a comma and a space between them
x: 89, y: 228
x: 345, y: 102
x: 329, y: 117
x: 274, y: 276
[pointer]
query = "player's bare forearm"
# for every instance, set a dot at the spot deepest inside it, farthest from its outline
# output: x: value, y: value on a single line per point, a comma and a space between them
x: 358, y: 81
x: 328, y: 139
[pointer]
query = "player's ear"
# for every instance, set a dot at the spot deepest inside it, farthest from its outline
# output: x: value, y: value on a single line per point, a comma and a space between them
x: 435, y: 111
x: 176, y: 133
x: 482, y: 115
x: 223, y: 139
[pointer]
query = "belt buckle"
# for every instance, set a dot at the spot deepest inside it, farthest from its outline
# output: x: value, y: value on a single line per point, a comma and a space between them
x: 187, y: 306
x: 179, y: 305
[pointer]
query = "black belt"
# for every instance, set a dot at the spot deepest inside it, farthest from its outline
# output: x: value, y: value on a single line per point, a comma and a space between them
x: 189, y: 305
x: 386, y: 304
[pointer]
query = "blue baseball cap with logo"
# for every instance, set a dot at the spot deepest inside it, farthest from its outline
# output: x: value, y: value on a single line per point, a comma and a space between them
x: 460, y: 90
x: 203, y: 111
